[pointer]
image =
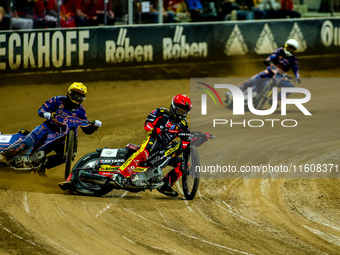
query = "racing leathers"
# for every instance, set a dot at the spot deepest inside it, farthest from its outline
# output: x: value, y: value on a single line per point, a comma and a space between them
x: 281, y: 60
x: 157, y: 124
x: 49, y: 128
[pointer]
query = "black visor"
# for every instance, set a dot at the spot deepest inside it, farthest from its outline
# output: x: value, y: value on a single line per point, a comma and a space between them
x: 77, y: 97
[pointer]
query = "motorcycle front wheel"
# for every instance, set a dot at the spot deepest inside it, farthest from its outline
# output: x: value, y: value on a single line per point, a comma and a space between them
x: 69, y: 152
x: 264, y: 95
x: 191, y: 178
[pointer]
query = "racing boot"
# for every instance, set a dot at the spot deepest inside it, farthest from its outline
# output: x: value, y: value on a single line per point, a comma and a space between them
x: 4, y: 160
x: 169, y: 180
x: 167, y: 190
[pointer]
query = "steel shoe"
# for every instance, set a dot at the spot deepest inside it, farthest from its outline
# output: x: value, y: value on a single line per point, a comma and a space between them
x: 167, y: 190
x: 4, y: 160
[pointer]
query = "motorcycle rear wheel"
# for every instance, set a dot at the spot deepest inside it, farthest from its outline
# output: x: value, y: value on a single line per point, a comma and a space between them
x: 190, y: 178
x: 83, y: 188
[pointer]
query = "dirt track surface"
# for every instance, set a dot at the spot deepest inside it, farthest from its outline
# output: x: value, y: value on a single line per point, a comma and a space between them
x: 228, y: 216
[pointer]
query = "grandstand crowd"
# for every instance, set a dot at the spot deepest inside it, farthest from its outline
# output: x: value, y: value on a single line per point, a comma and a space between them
x: 30, y: 14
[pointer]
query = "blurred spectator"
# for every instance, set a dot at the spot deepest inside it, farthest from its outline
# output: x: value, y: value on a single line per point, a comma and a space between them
x: 4, y: 21
x: 247, y: 11
x: 325, y: 6
x: 35, y: 9
x: 287, y: 10
x: 152, y: 15
x: 244, y: 11
x: 217, y: 10
x: 67, y: 17
x: 25, y: 8
x: 2, y: 13
x: 195, y: 8
x: 75, y: 8
x: 209, y: 8
x: 39, y: 10
x: 120, y: 10
x: 100, y: 8
x: 17, y: 22
x: 271, y: 8
x: 52, y: 8
x: 180, y: 9
x: 224, y: 8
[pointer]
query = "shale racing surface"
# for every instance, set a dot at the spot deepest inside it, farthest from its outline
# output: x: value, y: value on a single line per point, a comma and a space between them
x: 228, y: 216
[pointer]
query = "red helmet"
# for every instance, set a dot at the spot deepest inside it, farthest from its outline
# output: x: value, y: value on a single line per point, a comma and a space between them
x: 180, y: 106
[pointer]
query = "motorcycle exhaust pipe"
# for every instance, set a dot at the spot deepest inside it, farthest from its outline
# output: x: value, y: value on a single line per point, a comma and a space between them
x: 93, y: 178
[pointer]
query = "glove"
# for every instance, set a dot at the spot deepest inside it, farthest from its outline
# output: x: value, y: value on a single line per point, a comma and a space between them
x: 47, y: 115
x: 298, y: 80
x: 267, y: 62
x: 157, y: 131
x: 97, y: 123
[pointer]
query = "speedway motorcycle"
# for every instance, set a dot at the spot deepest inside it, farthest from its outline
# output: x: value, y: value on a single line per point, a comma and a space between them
x: 34, y: 158
x: 262, y: 96
x: 91, y: 175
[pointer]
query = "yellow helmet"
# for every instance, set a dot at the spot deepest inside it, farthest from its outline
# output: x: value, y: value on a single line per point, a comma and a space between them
x: 77, y: 92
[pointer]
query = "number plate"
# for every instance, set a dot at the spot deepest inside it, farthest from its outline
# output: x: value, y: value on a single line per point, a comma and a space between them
x: 109, y: 153
x: 5, y: 138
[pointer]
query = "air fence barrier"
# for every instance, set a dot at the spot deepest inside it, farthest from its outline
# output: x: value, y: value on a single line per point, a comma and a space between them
x: 64, y: 50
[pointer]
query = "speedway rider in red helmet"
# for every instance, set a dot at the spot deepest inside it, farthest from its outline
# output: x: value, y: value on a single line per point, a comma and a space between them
x: 157, y: 124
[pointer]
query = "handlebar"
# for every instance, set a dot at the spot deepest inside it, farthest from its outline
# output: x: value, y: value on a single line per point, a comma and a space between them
x: 209, y: 136
x: 191, y: 134
x: 276, y: 70
x: 66, y: 120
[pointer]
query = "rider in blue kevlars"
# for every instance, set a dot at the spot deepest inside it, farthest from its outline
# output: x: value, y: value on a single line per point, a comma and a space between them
x: 70, y: 105
x: 284, y: 59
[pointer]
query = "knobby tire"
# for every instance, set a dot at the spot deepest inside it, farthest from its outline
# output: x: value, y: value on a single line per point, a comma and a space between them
x: 69, y: 152
x: 190, y: 178
x: 263, y: 97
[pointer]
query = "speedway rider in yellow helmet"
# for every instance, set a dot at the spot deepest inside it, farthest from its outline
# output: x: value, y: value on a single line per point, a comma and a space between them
x: 69, y: 105
x: 77, y: 92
